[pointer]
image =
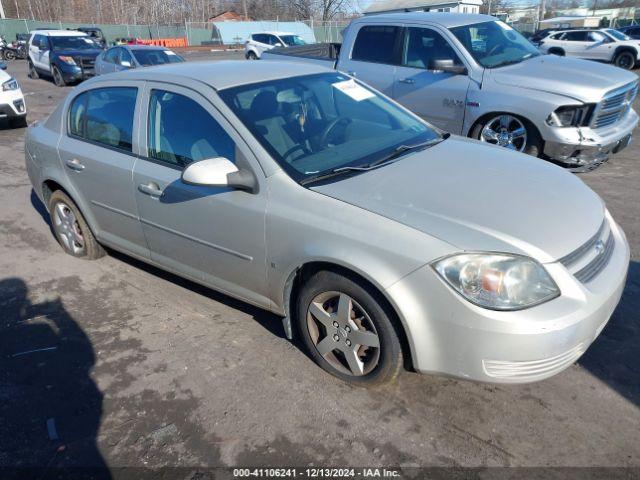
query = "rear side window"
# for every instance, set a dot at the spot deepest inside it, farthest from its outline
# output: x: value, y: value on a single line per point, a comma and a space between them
x: 377, y: 44
x: 104, y: 116
x: 181, y: 131
x: 575, y: 36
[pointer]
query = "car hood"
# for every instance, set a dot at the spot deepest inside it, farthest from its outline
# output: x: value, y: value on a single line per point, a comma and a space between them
x: 73, y: 52
x: 583, y: 80
x: 480, y: 197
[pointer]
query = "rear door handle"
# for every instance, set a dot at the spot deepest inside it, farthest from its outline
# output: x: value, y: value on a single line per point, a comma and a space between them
x: 75, y: 164
x: 150, y: 188
x: 409, y: 81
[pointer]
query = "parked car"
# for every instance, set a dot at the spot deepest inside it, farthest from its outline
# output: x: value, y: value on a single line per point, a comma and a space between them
x: 475, y: 76
x: 66, y: 56
x: 260, y: 42
x: 12, y: 105
x: 307, y: 193
x: 604, y: 44
x: 95, y: 34
x: 126, y: 57
x: 631, y: 31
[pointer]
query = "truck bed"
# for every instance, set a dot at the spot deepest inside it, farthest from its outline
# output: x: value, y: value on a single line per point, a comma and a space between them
x: 323, y: 53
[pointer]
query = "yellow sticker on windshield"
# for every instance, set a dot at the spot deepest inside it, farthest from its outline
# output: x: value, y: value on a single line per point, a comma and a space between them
x: 353, y: 90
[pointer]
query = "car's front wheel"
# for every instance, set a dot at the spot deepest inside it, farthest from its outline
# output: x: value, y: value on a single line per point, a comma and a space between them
x: 509, y: 131
x: 57, y: 77
x: 33, y: 73
x: 347, y: 330
x: 71, y: 229
x: 626, y: 60
x: 252, y: 56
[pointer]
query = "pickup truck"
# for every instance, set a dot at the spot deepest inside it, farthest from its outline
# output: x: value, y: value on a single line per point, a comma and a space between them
x: 475, y: 76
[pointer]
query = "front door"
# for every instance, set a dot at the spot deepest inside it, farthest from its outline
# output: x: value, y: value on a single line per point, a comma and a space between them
x: 438, y: 97
x: 212, y: 234
x: 97, y: 153
x: 600, y: 46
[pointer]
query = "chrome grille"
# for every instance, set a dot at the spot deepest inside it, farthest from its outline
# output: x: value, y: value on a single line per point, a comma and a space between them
x: 614, y: 105
x: 588, y: 260
x: 597, y: 264
x: 574, y: 256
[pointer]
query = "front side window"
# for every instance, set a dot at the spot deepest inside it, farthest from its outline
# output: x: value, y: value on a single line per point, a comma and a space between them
x: 376, y: 43
x: 597, y: 37
x: 316, y: 123
x: 104, y: 116
x: 112, y: 55
x: 292, y: 40
x: 73, y: 43
x: 494, y: 44
x: 125, y: 57
x: 181, y: 131
x: 423, y: 45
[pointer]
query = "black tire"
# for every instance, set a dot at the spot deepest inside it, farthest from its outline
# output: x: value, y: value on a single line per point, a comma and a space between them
x: 625, y: 60
x: 91, y: 250
x: 33, y: 73
x: 388, y: 356
x: 9, y: 55
x: 252, y: 56
x: 534, y: 141
x: 556, y: 51
x: 19, y: 122
x: 57, y: 77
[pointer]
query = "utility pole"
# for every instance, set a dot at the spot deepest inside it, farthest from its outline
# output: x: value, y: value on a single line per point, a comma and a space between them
x: 489, y: 8
x: 542, y: 10
x: 244, y: 8
x: 1, y: 10
x: 593, y: 12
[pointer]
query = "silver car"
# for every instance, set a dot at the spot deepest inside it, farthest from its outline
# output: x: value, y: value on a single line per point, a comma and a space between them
x: 126, y: 57
x: 376, y: 236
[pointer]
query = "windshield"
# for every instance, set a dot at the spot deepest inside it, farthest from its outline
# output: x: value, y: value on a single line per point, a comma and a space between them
x: 156, y: 57
x: 317, y: 123
x: 73, y: 43
x: 494, y: 44
x: 617, y: 35
x: 291, y: 40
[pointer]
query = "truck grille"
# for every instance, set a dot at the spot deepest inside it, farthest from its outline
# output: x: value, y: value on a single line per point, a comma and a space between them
x: 588, y: 260
x: 614, y: 105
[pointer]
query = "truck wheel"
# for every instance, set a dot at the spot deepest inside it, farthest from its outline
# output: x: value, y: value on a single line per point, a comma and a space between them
x: 625, y: 60
x: 71, y: 229
x: 509, y: 131
x: 252, y: 56
x: 347, y: 331
x: 57, y: 77
x: 33, y: 73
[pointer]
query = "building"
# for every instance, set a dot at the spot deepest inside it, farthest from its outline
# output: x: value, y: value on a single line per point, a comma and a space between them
x: 392, y: 6
x: 570, y: 22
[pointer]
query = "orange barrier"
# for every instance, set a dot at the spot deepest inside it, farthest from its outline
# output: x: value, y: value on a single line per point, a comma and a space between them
x: 164, y: 42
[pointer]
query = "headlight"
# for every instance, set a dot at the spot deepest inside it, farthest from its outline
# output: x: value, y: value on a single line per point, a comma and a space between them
x: 497, y: 281
x: 572, y: 116
x: 67, y: 60
x: 11, y: 84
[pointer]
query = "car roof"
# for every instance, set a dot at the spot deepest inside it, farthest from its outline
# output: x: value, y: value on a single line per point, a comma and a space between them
x: 446, y: 19
x: 143, y: 47
x: 273, y: 33
x: 221, y: 74
x: 59, y: 33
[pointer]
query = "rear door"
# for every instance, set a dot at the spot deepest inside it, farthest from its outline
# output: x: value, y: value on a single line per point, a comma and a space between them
x: 96, y: 150
x: 374, y: 56
x: 436, y: 96
x: 575, y: 43
x: 213, y: 234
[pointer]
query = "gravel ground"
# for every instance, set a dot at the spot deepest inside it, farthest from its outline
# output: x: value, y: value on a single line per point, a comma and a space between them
x: 136, y: 367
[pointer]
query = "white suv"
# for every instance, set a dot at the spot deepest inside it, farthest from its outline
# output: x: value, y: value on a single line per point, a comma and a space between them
x: 260, y: 42
x: 12, y: 106
x: 604, y: 44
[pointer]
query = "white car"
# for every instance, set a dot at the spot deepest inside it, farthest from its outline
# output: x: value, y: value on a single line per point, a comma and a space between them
x: 260, y: 42
x: 604, y: 44
x: 12, y: 106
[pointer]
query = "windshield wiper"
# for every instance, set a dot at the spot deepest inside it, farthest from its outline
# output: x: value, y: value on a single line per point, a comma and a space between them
x: 333, y: 173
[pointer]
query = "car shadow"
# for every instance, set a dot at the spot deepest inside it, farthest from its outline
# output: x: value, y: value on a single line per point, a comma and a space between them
x: 614, y: 357
x: 50, y: 406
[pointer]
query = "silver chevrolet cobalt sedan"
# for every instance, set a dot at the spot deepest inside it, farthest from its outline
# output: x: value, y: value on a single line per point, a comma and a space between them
x: 379, y: 239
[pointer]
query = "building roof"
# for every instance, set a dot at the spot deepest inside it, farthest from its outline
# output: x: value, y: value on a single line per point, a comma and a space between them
x: 219, y: 75
x: 564, y: 19
x: 446, y: 19
x: 394, y: 5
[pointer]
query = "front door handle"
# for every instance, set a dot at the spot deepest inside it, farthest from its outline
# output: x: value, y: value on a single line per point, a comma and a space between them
x: 150, y: 188
x: 409, y: 81
x: 74, y: 164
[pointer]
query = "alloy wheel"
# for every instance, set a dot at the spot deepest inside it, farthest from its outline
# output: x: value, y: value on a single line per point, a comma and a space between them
x: 343, y: 333
x: 505, y: 131
x: 68, y: 229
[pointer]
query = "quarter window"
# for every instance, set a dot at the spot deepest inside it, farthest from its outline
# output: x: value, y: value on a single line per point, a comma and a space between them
x: 422, y: 45
x: 104, y: 116
x: 376, y: 43
x: 181, y: 131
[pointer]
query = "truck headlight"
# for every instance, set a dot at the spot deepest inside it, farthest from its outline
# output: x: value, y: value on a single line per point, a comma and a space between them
x: 11, y: 84
x: 68, y: 60
x: 570, y: 116
x: 497, y: 281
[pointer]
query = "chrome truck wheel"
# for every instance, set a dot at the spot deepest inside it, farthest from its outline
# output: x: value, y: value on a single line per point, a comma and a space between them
x: 505, y: 131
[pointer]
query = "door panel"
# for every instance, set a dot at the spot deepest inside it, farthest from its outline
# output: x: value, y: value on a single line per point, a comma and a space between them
x: 207, y: 233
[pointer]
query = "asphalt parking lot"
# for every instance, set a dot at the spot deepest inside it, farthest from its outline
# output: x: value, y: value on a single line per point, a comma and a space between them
x: 116, y: 363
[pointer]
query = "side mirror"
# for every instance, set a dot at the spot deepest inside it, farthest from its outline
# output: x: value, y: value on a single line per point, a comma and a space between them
x: 218, y: 172
x: 447, y: 65
x: 278, y: 44
x: 126, y: 64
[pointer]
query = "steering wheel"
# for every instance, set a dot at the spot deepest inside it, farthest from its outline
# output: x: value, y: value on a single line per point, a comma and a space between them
x: 326, y: 133
x: 293, y: 149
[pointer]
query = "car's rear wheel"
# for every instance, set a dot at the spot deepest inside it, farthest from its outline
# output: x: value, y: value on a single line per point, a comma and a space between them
x: 509, y: 131
x: 252, y: 56
x: 626, y: 60
x: 57, y: 77
x: 347, y: 330
x: 556, y: 51
x: 9, y: 55
x: 71, y: 229
x: 33, y: 73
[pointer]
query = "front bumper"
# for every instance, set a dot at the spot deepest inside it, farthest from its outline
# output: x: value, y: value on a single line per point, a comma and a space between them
x: 585, y: 148
x: 76, y: 73
x: 12, y: 104
x: 450, y: 336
